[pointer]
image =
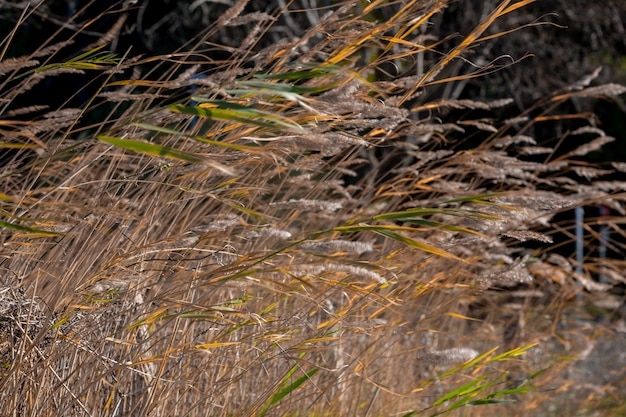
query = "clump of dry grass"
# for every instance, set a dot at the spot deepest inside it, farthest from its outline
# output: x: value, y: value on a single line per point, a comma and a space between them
x: 301, y: 237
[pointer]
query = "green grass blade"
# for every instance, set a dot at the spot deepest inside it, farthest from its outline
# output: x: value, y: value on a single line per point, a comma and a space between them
x: 283, y: 389
x: 89, y: 60
x: 149, y: 148
x: 364, y: 227
x: 291, y: 387
x: 439, y: 225
x: 518, y: 390
x: 314, y: 70
x: 240, y: 114
x: 419, y: 245
x: 389, y: 231
x: 28, y: 229
x: 159, y: 129
x: 413, y: 212
x: 281, y: 88
x: 510, y: 354
x: 535, y: 375
x: 466, y: 389
x: 469, y: 364
x: 419, y: 211
x: 473, y: 198
x: 487, y: 402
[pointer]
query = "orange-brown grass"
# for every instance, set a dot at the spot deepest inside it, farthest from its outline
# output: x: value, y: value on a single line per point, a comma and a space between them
x: 306, y: 236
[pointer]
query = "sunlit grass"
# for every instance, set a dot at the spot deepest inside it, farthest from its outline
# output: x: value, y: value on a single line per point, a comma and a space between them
x: 299, y: 235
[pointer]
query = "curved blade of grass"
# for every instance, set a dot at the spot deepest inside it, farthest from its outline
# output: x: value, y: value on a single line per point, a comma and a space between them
x: 290, y: 96
x: 463, y: 390
x: 284, y: 390
x: 489, y: 399
x: 150, y: 319
x: 419, y: 211
x: 363, y: 227
x: 474, y: 198
x: 149, y: 148
x: 316, y: 70
x: 388, y: 231
x: 438, y: 225
x: 427, y: 223
x: 469, y: 364
x: 89, y: 60
x: 223, y: 110
x: 468, y: 391
x: 412, y: 212
x: 28, y: 229
x: 468, y: 394
x: 213, y: 345
x: 282, y: 88
x: 418, y: 245
x: 482, y: 199
x: 289, y: 388
x: 508, y: 355
x: 533, y: 376
x: 288, y: 92
x: 242, y: 148
x: 4, y: 145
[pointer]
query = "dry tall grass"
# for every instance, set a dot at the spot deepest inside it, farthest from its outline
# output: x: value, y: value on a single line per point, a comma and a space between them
x: 308, y: 235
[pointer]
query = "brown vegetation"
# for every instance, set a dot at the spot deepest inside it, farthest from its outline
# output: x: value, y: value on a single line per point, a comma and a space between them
x: 317, y: 231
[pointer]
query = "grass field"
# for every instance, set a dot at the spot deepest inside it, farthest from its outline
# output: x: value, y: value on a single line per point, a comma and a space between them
x: 306, y: 228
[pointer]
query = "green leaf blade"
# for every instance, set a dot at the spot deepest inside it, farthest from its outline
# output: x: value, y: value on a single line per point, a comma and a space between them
x: 149, y: 148
x: 28, y: 229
